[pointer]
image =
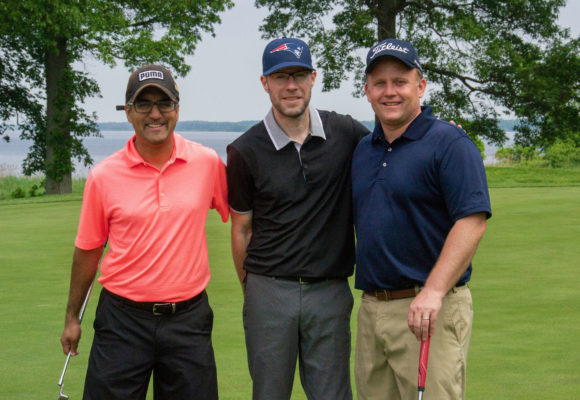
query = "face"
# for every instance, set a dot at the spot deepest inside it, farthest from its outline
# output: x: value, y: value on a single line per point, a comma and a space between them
x: 394, y: 91
x: 153, y: 129
x: 290, y: 90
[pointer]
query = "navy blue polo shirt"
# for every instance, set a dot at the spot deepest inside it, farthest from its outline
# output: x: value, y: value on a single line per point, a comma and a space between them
x: 406, y: 197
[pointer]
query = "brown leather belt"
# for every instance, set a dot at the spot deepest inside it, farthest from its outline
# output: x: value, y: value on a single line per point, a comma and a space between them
x: 385, y: 295
x: 156, y: 308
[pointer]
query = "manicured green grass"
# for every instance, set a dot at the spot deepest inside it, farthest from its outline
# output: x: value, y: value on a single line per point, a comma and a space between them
x: 525, y: 337
x: 525, y: 288
x: 522, y: 176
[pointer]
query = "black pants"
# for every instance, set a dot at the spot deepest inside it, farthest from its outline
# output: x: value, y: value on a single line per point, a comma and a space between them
x: 130, y: 344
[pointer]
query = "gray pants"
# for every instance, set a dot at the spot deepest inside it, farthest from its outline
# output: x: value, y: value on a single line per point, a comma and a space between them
x: 285, y: 321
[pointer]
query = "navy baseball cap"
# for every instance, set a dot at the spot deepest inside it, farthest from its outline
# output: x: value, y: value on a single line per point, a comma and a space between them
x: 400, y: 49
x: 285, y: 52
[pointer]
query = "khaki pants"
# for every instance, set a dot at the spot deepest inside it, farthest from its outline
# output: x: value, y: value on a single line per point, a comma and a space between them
x: 387, y: 353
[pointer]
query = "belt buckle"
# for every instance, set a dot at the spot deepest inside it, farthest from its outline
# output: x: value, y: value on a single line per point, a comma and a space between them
x: 158, y: 306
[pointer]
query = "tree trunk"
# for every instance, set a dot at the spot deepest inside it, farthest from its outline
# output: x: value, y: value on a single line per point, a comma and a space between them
x: 387, y: 11
x: 58, y: 167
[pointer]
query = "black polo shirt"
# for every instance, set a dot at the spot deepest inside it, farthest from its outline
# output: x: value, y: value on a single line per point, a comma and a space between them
x: 300, y: 196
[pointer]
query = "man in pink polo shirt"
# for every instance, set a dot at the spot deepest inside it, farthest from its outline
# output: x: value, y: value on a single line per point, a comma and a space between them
x: 150, y: 200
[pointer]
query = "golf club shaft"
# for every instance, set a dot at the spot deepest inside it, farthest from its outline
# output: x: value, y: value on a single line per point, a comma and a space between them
x: 423, y: 359
x: 83, y: 308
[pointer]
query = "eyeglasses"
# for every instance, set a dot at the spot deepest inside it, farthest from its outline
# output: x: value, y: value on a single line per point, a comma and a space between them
x: 164, y: 106
x: 282, y: 78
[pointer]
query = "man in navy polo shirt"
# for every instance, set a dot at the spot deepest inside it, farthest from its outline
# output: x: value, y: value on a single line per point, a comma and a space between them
x: 420, y: 202
x: 292, y: 233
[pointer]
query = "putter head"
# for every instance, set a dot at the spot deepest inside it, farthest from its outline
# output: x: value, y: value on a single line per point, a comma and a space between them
x: 61, y: 395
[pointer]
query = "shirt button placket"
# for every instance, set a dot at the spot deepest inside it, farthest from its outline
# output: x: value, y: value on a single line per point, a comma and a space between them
x: 160, y: 191
x: 385, y: 163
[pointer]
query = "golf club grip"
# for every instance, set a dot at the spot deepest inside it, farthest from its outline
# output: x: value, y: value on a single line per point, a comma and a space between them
x: 423, y: 359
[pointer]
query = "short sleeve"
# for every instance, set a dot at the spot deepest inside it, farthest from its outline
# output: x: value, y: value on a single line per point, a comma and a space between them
x: 463, y: 180
x: 240, y: 182
x: 93, y: 223
x: 220, y: 191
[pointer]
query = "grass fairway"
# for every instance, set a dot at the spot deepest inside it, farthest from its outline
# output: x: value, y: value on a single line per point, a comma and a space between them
x: 527, y: 319
x: 525, y: 342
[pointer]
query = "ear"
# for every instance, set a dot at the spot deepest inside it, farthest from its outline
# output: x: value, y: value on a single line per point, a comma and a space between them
x: 128, y: 113
x: 367, y: 92
x: 313, y: 76
x: 422, y: 86
x: 264, y: 81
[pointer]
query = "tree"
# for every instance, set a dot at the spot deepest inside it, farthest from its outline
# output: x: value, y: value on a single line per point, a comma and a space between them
x: 40, y: 42
x: 480, y: 56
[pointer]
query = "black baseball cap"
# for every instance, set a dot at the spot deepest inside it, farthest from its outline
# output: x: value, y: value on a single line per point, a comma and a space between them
x: 150, y: 75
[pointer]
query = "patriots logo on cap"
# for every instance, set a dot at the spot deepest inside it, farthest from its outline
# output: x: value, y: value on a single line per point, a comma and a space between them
x: 291, y: 47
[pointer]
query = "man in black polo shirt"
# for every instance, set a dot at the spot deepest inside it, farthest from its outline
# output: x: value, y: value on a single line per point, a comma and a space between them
x: 292, y: 233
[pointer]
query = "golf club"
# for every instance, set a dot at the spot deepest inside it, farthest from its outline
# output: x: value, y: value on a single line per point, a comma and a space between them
x: 61, y: 395
x: 423, y: 359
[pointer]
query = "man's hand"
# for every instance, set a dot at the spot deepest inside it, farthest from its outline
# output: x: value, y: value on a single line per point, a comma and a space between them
x: 84, y: 268
x: 458, y: 250
x: 71, y: 336
x: 423, y: 313
x: 453, y: 122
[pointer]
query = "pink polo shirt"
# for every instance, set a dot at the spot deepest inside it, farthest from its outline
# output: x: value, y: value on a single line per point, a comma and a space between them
x: 155, y: 220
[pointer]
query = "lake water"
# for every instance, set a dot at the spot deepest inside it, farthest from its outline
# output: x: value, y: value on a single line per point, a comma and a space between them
x: 12, y: 154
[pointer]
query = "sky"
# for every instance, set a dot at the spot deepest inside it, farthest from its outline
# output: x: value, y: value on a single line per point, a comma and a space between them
x: 224, y: 81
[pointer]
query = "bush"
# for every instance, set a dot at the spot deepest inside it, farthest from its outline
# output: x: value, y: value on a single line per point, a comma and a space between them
x: 12, y: 187
x: 18, y: 187
x: 521, y: 155
x: 18, y: 193
x: 563, y: 154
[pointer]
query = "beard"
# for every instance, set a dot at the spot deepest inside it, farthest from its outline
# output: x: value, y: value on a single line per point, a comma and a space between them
x: 291, y: 111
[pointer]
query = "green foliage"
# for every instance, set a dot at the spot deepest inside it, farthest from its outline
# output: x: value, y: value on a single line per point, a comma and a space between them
x: 40, y: 42
x: 520, y: 155
x: 561, y: 154
x: 479, y: 56
x: 13, y: 187
x: 31, y: 187
x: 18, y: 193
